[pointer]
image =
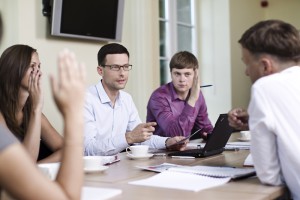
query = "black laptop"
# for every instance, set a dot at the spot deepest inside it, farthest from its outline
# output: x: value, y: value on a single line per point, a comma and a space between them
x: 216, y: 142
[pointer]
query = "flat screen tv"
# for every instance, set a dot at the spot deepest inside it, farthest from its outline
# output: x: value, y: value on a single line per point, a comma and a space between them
x: 100, y: 20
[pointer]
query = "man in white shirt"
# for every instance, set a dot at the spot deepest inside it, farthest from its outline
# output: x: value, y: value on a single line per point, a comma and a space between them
x: 271, y: 53
x: 111, y: 118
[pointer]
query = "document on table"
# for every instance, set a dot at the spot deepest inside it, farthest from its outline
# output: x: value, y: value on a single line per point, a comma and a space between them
x: 240, y: 145
x: 182, y: 181
x: 213, y: 171
x: 248, y: 161
x: 218, y: 172
x: 97, y: 193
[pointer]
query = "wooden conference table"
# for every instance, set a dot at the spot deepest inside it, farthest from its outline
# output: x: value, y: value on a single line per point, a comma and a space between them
x: 119, y: 174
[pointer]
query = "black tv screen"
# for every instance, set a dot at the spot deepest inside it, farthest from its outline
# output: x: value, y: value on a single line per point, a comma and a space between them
x: 88, y: 19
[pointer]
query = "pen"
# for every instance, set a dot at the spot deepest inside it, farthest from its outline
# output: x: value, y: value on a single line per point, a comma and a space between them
x: 160, y: 154
x: 112, y: 162
x: 183, y: 157
x: 202, y: 86
x: 182, y: 141
x: 232, y: 149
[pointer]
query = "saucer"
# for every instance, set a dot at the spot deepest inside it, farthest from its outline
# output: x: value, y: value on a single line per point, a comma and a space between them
x: 149, y: 155
x: 243, y: 139
x: 97, y: 170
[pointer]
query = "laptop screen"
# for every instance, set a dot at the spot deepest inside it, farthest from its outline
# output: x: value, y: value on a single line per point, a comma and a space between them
x: 219, y: 135
x: 216, y: 142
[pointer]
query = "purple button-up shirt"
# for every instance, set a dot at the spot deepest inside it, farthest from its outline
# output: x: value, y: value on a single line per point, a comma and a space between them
x: 175, y: 117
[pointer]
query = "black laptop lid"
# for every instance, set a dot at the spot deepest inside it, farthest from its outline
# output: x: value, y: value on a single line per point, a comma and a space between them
x: 220, y: 135
x: 216, y: 142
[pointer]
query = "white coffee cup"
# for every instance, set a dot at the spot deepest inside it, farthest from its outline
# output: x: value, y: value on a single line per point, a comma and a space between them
x: 138, y: 150
x: 92, y: 162
x: 245, y: 135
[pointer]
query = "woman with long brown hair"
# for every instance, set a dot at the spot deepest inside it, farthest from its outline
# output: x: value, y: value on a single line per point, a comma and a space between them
x: 21, y: 103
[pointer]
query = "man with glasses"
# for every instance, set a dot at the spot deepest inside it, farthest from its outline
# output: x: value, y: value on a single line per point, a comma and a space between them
x: 111, y: 118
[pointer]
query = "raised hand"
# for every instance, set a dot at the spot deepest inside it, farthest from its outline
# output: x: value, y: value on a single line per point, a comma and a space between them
x: 35, y: 88
x: 69, y: 89
x: 195, y: 90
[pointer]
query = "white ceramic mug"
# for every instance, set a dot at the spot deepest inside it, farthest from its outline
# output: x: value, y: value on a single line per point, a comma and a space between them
x: 92, y: 162
x: 245, y: 135
x: 138, y: 150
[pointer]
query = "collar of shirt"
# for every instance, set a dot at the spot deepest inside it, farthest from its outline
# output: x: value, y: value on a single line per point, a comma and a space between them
x: 104, y: 97
x: 174, y: 95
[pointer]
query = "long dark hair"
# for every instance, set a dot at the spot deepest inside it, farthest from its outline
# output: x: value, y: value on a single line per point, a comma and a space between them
x: 14, y: 62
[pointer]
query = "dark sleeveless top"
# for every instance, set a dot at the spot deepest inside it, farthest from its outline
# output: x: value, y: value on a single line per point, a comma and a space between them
x: 6, y: 138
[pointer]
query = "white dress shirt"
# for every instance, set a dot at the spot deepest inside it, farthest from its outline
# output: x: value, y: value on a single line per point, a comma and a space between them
x: 105, y: 126
x: 274, y: 123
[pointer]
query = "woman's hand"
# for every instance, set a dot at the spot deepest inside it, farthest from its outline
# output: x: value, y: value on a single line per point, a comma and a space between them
x: 69, y: 89
x: 35, y: 89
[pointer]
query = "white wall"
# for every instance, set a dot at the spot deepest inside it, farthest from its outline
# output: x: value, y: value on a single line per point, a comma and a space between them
x: 243, y: 14
x: 287, y: 10
x: 214, y: 55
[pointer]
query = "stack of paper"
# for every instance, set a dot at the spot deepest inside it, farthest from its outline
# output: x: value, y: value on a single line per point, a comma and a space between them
x: 219, y: 172
x: 213, y: 171
x: 182, y: 181
x: 193, y: 178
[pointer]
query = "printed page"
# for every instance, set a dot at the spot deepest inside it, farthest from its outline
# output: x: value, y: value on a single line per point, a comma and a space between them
x: 175, y: 180
x: 248, y: 161
x: 242, y: 145
x: 96, y: 193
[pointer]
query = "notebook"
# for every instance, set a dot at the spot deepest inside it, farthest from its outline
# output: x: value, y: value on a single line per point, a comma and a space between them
x: 216, y: 142
x: 217, y: 171
x: 212, y: 171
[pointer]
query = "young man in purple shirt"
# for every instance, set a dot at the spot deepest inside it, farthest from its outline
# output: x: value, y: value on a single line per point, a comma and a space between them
x: 179, y: 107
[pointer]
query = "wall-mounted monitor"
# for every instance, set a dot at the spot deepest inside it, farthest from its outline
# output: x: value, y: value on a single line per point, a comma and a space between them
x: 100, y: 20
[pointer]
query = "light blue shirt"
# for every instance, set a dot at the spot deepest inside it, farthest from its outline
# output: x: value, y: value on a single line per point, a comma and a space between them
x: 105, y: 126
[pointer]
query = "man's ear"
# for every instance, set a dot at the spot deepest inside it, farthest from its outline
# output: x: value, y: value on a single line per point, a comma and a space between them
x: 100, y: 70
x: 267, y: 65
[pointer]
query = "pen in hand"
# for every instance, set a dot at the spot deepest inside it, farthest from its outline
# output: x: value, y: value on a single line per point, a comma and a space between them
x: 203, y: 86
x: 183, y: 157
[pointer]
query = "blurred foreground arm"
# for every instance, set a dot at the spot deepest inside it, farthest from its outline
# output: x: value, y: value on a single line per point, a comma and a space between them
x: 26, y: 182
x: 68, y: 92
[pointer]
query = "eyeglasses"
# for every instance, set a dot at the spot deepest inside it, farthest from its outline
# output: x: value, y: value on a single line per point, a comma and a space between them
x: 118, y: 67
